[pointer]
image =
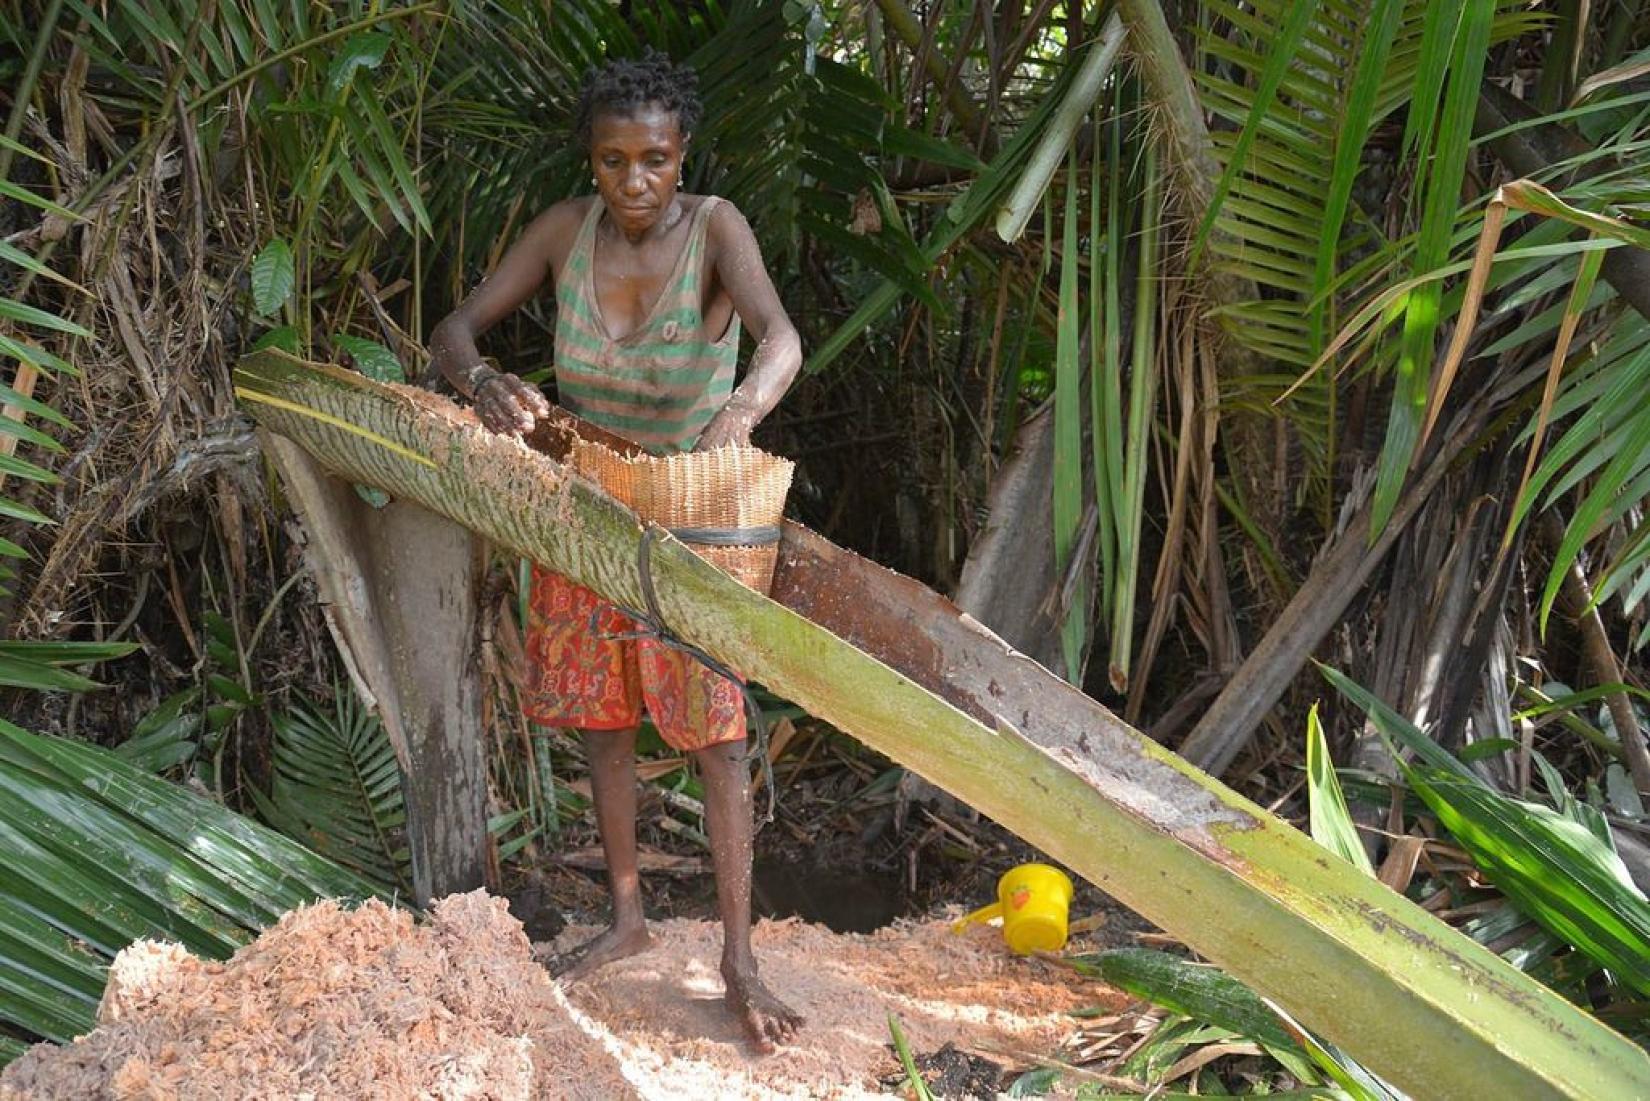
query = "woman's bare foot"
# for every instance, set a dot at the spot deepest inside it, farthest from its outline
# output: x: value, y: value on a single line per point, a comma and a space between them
x: 768, y: 1021
x: 600, y: 950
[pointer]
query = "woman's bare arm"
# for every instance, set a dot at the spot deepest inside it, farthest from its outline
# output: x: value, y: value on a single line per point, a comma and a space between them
x: 503, y: 401
x: 778, y: 356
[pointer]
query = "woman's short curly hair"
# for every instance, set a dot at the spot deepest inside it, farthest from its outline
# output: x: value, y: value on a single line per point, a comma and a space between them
x: 624, y: 86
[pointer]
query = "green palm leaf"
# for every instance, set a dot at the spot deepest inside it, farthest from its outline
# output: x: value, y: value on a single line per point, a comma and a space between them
x: 1444, y: 167
x: 337, y: 787
x: 1331, y: 823
x: 95, y: 853
x: 1301, y: 96
x: 38, y: 665
x: 1555, y: 868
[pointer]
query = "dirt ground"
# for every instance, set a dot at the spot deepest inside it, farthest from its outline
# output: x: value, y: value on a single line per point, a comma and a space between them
x: 367, y: 1003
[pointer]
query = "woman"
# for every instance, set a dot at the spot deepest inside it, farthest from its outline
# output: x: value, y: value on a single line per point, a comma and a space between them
x: 652, y: 286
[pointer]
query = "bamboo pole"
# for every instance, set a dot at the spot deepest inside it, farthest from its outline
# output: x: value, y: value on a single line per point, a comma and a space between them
x: 1415, y: 1001
x: 1051, y: 148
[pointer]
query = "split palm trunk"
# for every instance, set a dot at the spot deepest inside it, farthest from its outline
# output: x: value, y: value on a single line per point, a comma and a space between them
x: 895, y: 665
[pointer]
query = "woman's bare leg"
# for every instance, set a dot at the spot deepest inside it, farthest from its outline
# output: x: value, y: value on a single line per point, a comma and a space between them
x: 766, y: 1019
x: 612, y: 757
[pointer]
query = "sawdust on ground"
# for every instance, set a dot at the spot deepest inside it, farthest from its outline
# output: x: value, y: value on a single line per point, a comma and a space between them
x: 364, y: 1002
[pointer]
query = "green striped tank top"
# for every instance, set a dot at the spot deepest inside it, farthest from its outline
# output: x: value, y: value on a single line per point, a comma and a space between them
x: 661, y: 384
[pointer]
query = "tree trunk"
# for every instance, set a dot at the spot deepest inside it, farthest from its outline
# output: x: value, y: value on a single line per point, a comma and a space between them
x: 399, y: 585
x: 892, y: 663
x: 1010, y: 569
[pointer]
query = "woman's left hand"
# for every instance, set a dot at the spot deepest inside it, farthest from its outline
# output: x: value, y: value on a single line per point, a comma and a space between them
x: 729, y: 428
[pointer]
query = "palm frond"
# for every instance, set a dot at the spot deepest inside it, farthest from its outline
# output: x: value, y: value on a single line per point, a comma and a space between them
x: 96, y: 853
x: 1605, y: 452
x: 1301, y: 97
x: 336, y: 786
x: 19, y: 665
x: 976, y: 202
x: 168, y: 735
x: 1558, y: 867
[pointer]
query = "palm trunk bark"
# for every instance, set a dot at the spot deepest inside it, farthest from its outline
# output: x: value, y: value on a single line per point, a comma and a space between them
x: 399, y: 587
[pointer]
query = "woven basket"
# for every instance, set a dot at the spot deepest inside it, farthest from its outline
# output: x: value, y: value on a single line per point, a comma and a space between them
x: 700, y: 496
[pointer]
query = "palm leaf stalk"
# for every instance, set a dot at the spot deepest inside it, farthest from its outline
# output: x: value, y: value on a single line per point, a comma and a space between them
x: 1068, y: 438
x: 1057, y: 136
x: 979, y: 200
x: 1433, y: 1012
x: 1143, y: 367
x: 1106, y: 333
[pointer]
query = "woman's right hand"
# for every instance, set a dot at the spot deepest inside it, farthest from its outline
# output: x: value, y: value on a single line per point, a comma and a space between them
x: 508, y: 405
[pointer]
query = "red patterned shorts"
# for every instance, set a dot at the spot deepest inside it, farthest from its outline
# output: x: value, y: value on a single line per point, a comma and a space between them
x: 578, y: 677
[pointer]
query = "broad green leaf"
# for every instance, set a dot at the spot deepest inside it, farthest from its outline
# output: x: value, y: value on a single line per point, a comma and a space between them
x: 1068, y: 436
x: 159, y: 751
x: 371, y: 358
x: 1380, y: 26
x: 24, y: 195
x: 19, y: 511
x: 1445, y: 165
x: 1630, y: 456
x: 1555, y: 869
x: 273, y: 277
x: 364, y: 145
x: 31, y: 406
x: 1443, y: 17
x: 284, y: 337
x: 389, y: 148
x: 22, y: 672
x: 279, y: 872
x: 11, y: 464
x: 1105, y: 321
x: 95, y: 853
x: 11, y: 427
x: 360, y: 51
x: 1143, y: 372
x: 62, y: 653
x: 35, y: 355
x: 229, y: 689
x: 176, y: 712
x: 904, y: 142
x: 1192, y: 990
x: 18, y: 147
x: 14, y: 255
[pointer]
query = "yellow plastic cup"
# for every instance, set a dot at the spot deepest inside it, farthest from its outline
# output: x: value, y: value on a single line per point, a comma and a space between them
x: 1034, y: 901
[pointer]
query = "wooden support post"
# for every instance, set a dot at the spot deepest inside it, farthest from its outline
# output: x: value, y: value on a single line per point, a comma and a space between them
x: 399, y: 586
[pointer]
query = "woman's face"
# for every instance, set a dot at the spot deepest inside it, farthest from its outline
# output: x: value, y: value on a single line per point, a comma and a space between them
x: 637, y: 160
